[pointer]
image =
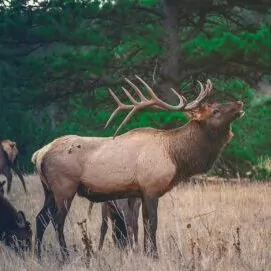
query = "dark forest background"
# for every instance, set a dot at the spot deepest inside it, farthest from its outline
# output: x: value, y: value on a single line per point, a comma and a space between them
x: 58, y: 58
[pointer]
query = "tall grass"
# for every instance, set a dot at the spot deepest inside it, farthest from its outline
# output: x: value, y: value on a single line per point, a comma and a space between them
x: 201, y: 227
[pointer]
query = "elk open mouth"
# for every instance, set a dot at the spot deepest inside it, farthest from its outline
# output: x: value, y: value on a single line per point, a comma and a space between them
x: 240, y: 114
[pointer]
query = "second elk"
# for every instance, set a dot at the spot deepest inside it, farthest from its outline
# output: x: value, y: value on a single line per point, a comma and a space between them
x: 123, y: 214
x: 15, y: 230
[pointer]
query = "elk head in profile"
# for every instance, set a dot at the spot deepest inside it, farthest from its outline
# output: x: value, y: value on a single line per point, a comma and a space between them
x: 143, y: 162
x: 9, y: 161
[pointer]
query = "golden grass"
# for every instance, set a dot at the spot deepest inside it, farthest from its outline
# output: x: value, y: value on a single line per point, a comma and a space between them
x: 197, y: 231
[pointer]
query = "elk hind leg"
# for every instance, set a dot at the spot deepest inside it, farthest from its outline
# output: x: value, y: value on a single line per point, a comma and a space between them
x: 43, y: 219
x: 63, y: 196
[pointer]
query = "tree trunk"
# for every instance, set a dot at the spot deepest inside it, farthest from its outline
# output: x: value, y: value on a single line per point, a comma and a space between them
x: 170, y: 69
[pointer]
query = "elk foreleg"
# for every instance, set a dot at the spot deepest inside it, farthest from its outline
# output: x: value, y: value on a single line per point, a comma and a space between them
x: 150, y: 220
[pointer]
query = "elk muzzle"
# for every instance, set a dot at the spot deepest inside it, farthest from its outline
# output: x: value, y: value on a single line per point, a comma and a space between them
x: 238, y: 107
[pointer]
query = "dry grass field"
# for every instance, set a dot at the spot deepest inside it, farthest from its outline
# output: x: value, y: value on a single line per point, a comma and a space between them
x: 201, y: 227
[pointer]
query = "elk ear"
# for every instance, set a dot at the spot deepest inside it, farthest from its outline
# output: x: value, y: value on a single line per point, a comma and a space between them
x: 197, y: 113
x: 10, y: 149
x: 20, y: 219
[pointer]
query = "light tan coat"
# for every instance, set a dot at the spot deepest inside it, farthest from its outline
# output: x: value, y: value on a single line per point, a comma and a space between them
x: 108, y: 166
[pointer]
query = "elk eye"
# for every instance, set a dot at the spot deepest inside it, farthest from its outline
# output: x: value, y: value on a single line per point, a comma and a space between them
x: 215, y: 111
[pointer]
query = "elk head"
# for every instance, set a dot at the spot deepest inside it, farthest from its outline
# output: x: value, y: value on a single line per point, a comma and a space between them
x: 215, y: 115
x: 20, y: 238
x: 10, y: 149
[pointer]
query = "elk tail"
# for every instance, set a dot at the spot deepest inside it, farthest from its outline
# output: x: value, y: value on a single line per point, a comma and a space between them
x: 38, y: 156
x: 120, y: 233
x: 38, y: 160
x: 34, y: 157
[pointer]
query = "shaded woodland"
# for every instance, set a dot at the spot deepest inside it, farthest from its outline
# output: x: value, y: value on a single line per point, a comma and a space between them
x: 58, y: 58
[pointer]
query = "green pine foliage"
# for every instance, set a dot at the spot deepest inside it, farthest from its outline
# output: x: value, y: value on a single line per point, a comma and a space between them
x: 51, y: 55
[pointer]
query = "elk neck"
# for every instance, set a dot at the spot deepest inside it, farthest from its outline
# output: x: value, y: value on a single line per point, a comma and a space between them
x: 194, y: 147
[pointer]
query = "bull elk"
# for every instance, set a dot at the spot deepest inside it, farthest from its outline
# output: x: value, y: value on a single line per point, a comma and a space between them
x: 143, y: 162
x: 9, y: 161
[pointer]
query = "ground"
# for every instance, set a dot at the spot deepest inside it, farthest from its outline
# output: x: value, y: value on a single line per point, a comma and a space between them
x: 201, y: 227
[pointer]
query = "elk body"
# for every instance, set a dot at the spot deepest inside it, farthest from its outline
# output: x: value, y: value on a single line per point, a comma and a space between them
x: 144, y: 162
x: 123, y: 214
x: 9, y: 161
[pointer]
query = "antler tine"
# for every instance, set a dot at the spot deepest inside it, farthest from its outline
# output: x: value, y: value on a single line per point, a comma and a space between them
x: 201, y: 95
x: 137, y: 90
x: 144, y: 102
x: 116, y: 111
x: 153, y: 95
x: 162, y: 104
x: 181, y: 97
x: 127, y: 118
x: 195, y: 103
x: 131, y: 98
x: 210, y: 85
x: 115, y: 97
x: 119, y: 108
x: 204, y: 92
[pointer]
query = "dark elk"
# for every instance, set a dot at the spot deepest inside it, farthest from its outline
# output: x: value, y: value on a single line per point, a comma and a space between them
x: 15, y: 230
x: 144, y: 162
x: 9, y: 161
x: 123, y: 214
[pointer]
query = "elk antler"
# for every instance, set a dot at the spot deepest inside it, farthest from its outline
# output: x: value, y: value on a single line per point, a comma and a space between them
x: 154, y: 101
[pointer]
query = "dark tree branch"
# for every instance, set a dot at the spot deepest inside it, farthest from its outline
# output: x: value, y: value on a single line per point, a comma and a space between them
x: 7, y: 55
x: 198, y: 27
x: 152, y: 11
